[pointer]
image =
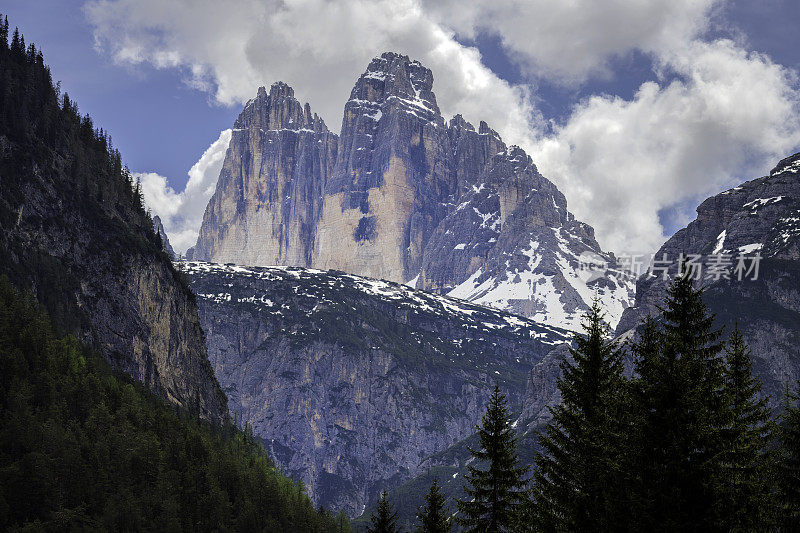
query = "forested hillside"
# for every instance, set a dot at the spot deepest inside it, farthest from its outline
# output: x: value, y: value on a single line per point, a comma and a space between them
x: 82, y: 447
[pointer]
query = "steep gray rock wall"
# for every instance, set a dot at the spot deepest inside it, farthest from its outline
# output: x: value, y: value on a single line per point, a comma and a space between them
x: 353, y: 382
x: 76, y: 239
x: 512, y: 244
x: 269, y: 193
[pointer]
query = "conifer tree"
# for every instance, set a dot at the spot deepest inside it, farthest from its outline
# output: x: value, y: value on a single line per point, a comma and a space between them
x: 788, y: 475
x: 432, y: 516
x: 572, y: 482
x: 495, y: 486
x: 679, y: 416
x: 384, y: 518
x: 745, y: 461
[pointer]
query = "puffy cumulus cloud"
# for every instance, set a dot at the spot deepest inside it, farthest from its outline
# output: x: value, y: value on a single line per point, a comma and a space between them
x: 318, y: 47
x: 568, y: 41
x: 712, y: 111
x: 729, y: 113
x: 182, y: 212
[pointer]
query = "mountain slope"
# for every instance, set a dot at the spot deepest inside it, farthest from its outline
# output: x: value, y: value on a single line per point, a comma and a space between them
x: 83, y: 448
x: 405, y: 196
x: 353, y: 381
x: 73, y: 231
x: 759, y: 216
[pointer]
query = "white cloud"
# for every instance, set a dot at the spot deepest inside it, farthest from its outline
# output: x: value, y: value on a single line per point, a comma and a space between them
x: 182, y: 212
x: 569, y: 41
x: 730, y: 114
x: 711, y: 112
x: 318, y: 47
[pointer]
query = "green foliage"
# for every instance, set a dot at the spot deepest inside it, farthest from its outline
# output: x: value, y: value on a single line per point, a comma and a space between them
x: 574, y: 475
x: 433, y: 516
x: 384, y: 520
x: 678, y: 416
x: 82, y: 448
x: 744, y: 483
x: 788, y: 471
x: 494, y: 494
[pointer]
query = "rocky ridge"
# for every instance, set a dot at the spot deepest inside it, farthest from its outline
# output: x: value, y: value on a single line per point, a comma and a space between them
x: 352, y: 382
x: 759, y: 217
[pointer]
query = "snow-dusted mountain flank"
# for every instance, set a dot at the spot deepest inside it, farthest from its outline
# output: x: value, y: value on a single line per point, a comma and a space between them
x: 405, y: 196
x: 352, y: 382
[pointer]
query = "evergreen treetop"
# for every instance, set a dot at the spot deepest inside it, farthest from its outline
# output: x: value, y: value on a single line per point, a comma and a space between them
x: 495, y: 487
x: 432, y: 516
x: 384, y: 519
x: 574, y: 473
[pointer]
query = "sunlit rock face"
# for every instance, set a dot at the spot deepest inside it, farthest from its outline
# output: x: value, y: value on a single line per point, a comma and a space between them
x: 392, y: 180
x: 269, y: 193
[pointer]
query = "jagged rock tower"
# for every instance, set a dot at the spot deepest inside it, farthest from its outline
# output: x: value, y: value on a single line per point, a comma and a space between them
x: 404, y: 196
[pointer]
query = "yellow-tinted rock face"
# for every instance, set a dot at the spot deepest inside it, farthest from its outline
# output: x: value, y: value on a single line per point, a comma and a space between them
x: 392, y: 176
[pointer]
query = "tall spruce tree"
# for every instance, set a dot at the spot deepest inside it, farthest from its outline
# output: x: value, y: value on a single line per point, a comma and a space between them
x: 432, y: 516
x: 495, y: 486
x: 744, y: 478
x: 679, y: 415
x: 572, y: 482
x: 788, y: 475
x: 384, y: 518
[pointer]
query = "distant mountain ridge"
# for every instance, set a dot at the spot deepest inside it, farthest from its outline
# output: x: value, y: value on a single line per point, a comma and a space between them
x: 405, y: 196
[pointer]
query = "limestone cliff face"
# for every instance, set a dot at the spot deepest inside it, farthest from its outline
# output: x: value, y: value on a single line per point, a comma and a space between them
x: 512, y: 244
x: 352, y: 382
x: 78, y: 241
x: 392, y: 176
x: 269, y: 194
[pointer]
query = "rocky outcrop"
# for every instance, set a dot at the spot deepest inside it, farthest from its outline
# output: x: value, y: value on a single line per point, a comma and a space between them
x: 165, y: 245
x: 392, y: 176
x: 352, y: 382
x: 269, y: 194
x: 512, y: 244
x: 404, y: 196
x: 74, y: 235
x: 760, y: 216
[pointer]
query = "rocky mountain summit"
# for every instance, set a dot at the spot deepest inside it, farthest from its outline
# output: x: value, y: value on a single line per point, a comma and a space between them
x: 406, y: 196
x: 269, y: 193
x: 352, y: 382
x: 162, y: 234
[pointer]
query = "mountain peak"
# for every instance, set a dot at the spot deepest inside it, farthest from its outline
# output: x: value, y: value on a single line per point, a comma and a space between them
x: 789, y: 164
x: 278, y: 109
x: 394, y: 78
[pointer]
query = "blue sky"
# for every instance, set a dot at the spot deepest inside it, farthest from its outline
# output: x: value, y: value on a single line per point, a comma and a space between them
x: 166, y: 77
